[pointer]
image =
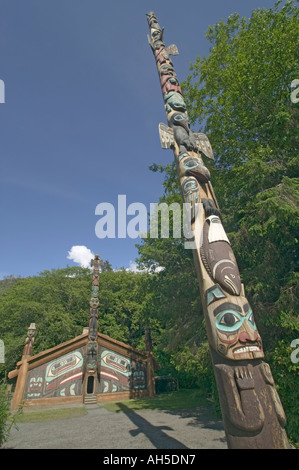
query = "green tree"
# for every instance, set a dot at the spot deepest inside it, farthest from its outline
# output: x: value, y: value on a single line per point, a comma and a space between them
x: 121, y: 306
x: 173, y: 304
x: 7, y: 419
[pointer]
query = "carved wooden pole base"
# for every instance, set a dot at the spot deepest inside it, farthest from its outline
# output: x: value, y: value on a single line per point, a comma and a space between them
x: 150, y: 371
x: 18, y: 395
x: 251, y: 409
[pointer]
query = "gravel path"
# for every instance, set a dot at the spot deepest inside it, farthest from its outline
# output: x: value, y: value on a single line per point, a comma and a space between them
x: 101, y: 429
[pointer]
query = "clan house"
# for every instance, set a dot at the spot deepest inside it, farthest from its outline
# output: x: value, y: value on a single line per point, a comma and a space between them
x: 89, y: 368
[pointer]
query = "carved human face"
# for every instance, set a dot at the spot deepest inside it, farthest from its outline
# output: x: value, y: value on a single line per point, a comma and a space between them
x: 156, y: 34
x: 232, y: 329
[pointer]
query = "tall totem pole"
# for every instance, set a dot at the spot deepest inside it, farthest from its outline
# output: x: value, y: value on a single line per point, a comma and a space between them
x: 91, y: 369
x: 252, y: 413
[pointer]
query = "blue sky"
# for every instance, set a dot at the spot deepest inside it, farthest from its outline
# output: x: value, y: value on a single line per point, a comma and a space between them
x: 79, y: 125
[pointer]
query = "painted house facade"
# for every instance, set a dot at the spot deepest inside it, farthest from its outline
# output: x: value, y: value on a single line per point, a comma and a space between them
x: 57, y: 375
x: 89, y: 368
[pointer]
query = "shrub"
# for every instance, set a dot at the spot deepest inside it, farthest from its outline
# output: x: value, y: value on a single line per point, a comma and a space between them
x: 7, y: 419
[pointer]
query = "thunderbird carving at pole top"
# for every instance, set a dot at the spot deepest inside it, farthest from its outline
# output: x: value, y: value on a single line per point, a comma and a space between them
x: 178, y: 129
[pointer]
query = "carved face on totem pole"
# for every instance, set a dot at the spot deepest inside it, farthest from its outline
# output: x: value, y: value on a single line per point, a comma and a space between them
x: 231, y: 327
x: 152, y: 20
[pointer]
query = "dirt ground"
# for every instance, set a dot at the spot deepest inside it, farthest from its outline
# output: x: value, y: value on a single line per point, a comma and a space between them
x: 195, y: 428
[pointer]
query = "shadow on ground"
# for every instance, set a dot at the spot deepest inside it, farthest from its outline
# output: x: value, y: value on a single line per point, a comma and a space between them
x: 155, y: 434
x: 201, y: 416
x: 193, y: 428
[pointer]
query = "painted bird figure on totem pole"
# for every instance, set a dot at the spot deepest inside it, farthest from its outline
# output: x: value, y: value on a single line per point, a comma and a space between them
x: 252, y: 413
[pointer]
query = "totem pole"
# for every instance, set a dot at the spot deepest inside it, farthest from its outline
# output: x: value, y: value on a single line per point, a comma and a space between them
x: 151, y: 362
x: 91, y: 362
x: 148, y: 339
x: 27, y: 351
x: 252, y: 413
x: 18, y: 395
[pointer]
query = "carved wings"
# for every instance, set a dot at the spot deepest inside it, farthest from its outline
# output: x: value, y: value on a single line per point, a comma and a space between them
x: 166, y: 136
x: 172, y: 49
x: 204, y: 145
x: 168, y: 141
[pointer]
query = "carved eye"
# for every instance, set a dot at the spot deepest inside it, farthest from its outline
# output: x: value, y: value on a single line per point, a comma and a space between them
x: 229, y: 321
x: 250, y: 320
x: 190, y: 163
x: 179, y: 117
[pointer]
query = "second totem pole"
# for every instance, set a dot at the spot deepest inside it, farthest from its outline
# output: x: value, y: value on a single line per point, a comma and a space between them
x: 252, y: 413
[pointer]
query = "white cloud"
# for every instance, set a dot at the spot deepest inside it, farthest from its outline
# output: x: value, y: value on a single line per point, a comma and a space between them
x: 133, y: 268
x: 159, y: 269
x: 81, y: 254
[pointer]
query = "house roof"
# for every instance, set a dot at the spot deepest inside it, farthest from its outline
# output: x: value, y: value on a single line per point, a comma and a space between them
x: 77, y: 342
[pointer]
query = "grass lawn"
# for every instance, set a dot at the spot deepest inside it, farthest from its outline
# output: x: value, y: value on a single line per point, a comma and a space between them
x: 49, y: 415
x: 165, y: 401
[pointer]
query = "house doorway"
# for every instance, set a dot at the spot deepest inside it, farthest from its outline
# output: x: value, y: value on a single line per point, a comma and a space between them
x: 90, y: 385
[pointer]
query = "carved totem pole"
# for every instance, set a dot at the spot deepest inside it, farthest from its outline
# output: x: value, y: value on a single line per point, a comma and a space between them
x: 18, y: 395
x: 91, y: 372
x: 27, y: 351
x: 251, y: 409
x: 148, y: 340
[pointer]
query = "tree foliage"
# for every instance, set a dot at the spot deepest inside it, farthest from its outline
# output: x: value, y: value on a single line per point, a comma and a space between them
x: 7, y: 419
